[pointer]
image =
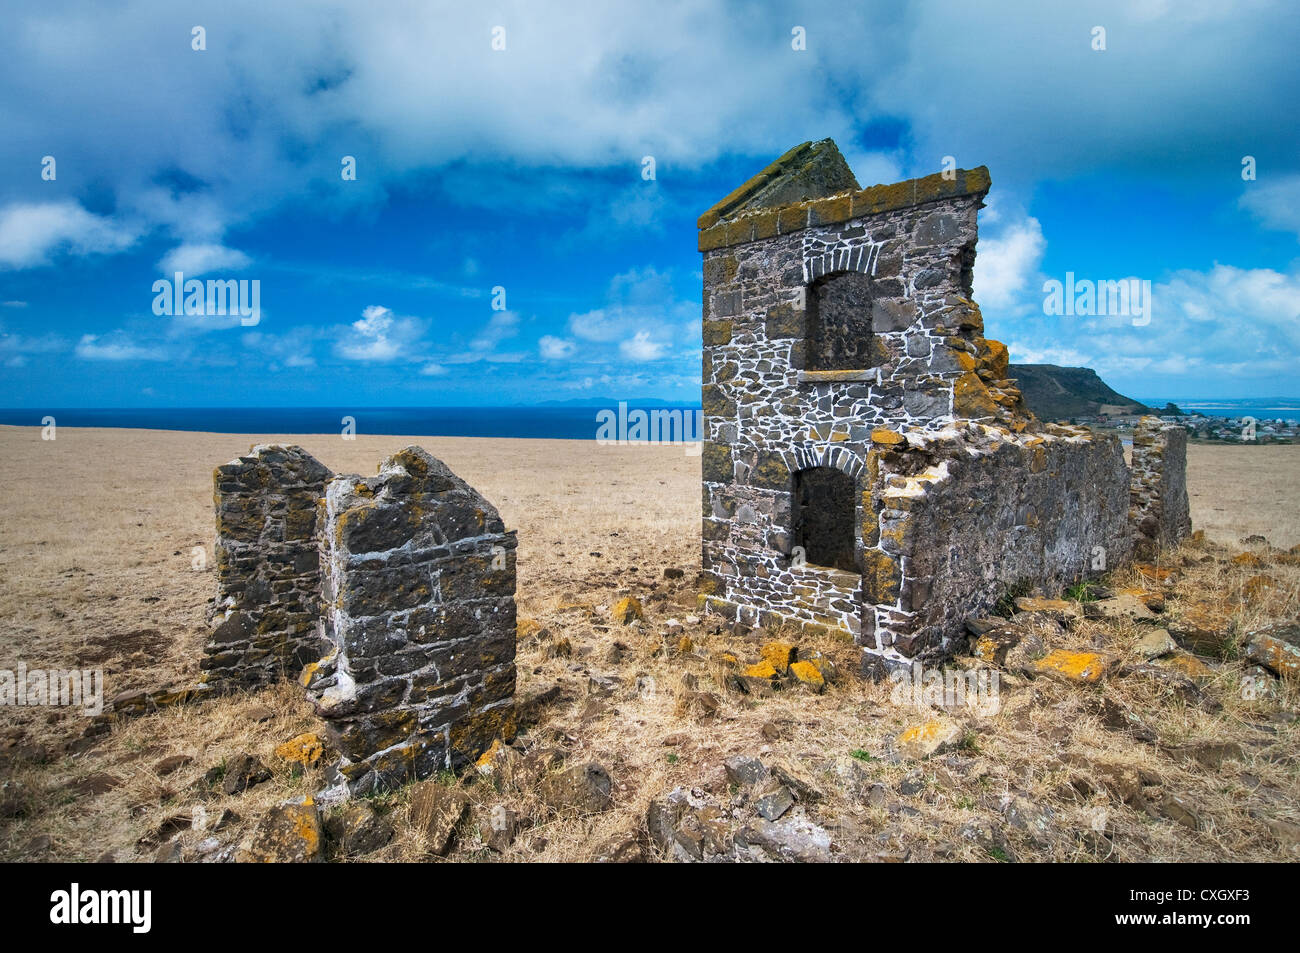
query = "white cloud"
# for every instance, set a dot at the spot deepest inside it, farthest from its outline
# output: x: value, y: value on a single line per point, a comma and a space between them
x: 191, y: 323
x: 1086, y: 111
x: 1006, y: 265
x: 15, y: 348
x: 556, y: 349
x: 638, y: 300
x: 502, y: 325
x: 32, y: 233
x: 874, y: 168
x: 1275, y: 202
x: 191, y: 148
x: 433, y: 370
x: 120, y: 348
x: 1031, y: 354
x: 178, y: 144
x: 1223, y: 324
x: 292, y: 348
x: 640, y: 347
x: 379, y: 336
x: 598, y: 325
x: 194, y: 260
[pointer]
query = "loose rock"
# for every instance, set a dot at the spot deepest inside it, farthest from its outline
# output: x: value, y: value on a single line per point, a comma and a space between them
x: 289, y: 833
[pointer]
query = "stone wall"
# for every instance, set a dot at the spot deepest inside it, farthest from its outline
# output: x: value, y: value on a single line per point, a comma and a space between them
x: 268, y: 571
x: 418, y: 590
x: 964, y: 516
x: 781, y: 285
x: 1158, y: 504
x: 840, y: 335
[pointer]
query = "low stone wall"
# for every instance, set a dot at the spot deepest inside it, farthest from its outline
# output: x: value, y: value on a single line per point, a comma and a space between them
x: 418, y: 590
x: 1159, y: 509
x: 965, y: 515
x: 268, y: 570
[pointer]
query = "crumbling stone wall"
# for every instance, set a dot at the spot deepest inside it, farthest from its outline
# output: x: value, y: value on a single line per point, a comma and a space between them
x: 1159, y: 508
x: 839, y: 332
x: 419, y: 614
x: 268, y: 571
x: 964, y: 515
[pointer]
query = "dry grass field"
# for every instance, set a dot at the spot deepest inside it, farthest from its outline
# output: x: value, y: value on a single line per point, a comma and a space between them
x: 97, y: 535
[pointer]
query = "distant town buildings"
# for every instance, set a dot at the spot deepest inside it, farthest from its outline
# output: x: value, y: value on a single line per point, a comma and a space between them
x: 1205, y: 429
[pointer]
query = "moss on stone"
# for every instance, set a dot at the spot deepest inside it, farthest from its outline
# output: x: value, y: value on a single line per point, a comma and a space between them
x: 716, y: 464
x: 717, y: 332
x: 770, y: 471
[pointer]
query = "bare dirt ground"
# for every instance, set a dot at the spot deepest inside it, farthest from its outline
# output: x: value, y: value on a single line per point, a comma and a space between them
x: 98, y: 538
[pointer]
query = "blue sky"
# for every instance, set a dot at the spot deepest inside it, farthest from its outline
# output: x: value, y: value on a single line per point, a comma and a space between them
x: 521, y: 168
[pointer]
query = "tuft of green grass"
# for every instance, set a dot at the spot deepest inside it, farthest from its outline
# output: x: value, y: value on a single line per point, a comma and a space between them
x: 1084, y: 590
x: 1006, y: 605
x: 862, y: 755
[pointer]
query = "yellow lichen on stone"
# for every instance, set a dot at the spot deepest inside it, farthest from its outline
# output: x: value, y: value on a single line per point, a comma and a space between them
x: 779, y: 655
x: 307, y: 829
x: 809, y: 675
x: 525, y: 628
x: 1083, y: 667
x: 305, y: 749
x: 927, y: 738
x: 763, y: 669
x: 1189, y: 665
x: 970, y: 398
x: 886, y: 437
x: 484, y: 762
x: 996, y: 358
x: 626, y: 610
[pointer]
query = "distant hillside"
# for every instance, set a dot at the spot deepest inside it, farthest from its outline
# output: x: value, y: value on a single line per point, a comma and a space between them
x: 1058, y: 393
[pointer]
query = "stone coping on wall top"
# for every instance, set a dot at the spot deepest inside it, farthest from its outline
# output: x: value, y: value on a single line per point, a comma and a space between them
x: 770, y: 222
x: 974, y: 437
x: 782, y: 166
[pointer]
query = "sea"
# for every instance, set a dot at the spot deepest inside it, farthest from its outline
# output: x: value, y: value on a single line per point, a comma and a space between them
x: 1261, y: 408
x: 565, y: 422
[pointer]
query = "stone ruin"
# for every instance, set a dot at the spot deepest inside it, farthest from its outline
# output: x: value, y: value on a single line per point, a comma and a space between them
x: 868, y: 470
x: 1159, y: 508
x: 267, y: 564
x: 868, y: 467
x: 419, y: 609
x: 392, y: 597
